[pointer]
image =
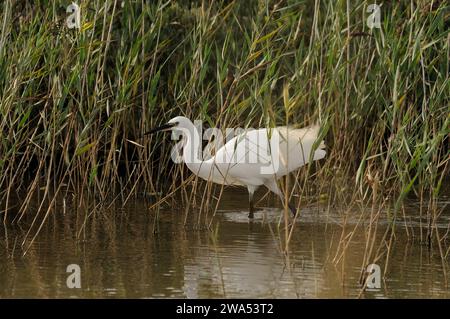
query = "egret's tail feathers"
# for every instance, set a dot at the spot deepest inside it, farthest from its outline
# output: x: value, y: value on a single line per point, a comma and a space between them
x: 319, y: 153
x: 315, y: 129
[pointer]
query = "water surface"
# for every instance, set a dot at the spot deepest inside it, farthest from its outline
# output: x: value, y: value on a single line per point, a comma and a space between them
x: 129, y: 252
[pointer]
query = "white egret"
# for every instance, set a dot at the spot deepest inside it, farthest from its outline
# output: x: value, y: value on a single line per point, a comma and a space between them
x: 252, y: 158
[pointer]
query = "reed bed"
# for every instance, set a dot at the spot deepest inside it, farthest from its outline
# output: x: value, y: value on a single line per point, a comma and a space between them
x: 75, y: 103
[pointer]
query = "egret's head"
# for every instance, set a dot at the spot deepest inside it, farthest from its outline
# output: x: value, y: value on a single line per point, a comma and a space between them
x: 179, y: 122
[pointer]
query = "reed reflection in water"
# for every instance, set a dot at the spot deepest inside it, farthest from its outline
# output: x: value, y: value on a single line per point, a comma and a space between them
x: 128, y: 252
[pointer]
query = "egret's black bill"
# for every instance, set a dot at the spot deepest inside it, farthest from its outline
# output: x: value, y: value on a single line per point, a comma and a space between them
x: 161, y: 128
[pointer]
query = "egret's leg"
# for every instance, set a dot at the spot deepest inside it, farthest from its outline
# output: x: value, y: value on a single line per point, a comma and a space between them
x: 293, y: 209
x: 251, y: 191
x: 251, y: 210
x: 273, y: 186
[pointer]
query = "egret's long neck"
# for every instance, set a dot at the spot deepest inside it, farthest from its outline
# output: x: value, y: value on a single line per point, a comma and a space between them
x: 192, y: 148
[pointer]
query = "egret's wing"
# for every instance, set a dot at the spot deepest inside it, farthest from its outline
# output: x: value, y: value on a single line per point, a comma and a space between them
x: 296, y: 146
x: 250, y: 147
x: 243, y: 156
x: 254, y: 154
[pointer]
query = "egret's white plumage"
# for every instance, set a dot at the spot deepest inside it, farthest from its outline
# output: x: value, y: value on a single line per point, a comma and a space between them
x: 252, y: 158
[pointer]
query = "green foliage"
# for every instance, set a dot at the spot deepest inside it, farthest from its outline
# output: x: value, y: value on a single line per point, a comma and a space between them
x: 70, y: 100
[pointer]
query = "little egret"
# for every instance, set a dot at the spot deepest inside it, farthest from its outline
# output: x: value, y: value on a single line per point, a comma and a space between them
x: 252, y: 158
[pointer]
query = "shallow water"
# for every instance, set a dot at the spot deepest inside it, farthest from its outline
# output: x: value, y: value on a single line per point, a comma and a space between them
x: 123, y: 252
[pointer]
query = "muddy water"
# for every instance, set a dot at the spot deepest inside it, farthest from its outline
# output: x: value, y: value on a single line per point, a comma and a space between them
x: 132, y: 253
